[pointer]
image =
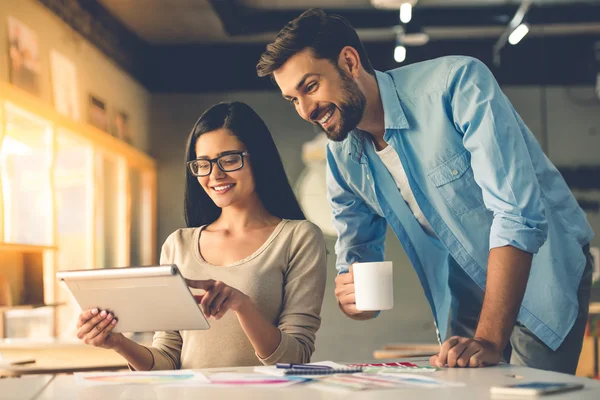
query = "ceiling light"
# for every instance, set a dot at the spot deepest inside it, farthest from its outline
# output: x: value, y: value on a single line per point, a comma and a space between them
x: 399, y: 53
x: 405, y: 12
x: 518, y: 34
x: 513, y: 32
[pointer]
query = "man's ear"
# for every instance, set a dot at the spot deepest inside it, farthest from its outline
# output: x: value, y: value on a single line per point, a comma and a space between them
x: 349, y: 61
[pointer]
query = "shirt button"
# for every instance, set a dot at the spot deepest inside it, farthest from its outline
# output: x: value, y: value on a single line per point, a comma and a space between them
x: 454, y: 172
x: 368, y: 177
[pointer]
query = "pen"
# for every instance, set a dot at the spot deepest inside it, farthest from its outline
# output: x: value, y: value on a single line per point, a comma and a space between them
x: 301, y: 366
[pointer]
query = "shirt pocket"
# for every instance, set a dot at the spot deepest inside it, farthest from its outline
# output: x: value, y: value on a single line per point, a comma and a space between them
x: 455, y: 181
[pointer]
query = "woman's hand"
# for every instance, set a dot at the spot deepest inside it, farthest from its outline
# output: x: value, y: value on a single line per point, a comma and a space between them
x: 95, y: 327
x: 219, y: 297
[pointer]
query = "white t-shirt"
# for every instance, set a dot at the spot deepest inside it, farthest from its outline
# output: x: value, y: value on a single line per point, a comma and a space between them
x: 390, y: 159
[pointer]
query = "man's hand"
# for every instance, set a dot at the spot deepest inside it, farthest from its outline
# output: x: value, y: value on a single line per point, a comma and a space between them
x: 464, y: 352
x: 344, y: 293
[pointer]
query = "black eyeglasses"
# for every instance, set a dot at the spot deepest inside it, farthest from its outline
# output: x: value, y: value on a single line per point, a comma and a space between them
x: 227, y: 163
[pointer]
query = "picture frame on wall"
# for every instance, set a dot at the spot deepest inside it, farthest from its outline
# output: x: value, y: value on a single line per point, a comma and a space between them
x: 64, y: 85
x: 121, y: 126
x: 97, y: 113
x: 24, y: 58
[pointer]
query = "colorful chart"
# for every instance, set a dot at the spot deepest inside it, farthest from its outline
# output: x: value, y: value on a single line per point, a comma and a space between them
x: 364, y: 381
x: 394, y: 367
x: 139, y: 378
x: 254, y: 379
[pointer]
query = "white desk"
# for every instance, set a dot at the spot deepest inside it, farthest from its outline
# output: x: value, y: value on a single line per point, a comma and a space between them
x: 478, y: 382
x: 26, y: 388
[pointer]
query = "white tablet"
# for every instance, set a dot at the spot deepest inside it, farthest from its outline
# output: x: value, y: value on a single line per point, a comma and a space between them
x: 144, y: 299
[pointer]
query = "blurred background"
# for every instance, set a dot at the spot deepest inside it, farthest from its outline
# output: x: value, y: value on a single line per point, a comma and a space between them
x: 97, y: 98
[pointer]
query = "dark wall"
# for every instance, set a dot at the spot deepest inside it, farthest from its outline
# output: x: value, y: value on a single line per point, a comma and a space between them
x: 550, y: 60
x: 534, y: 61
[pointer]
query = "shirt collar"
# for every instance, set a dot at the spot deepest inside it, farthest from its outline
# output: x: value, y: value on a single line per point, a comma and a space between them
x: 393, y: 115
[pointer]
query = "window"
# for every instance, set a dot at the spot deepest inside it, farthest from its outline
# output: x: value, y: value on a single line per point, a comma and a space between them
x: 71, y: 197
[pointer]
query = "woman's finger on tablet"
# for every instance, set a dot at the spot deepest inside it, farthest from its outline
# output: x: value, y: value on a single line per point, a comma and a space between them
x: 90, y: 324
x: 215, y: 306
x: 223, y: 308
x: 85, y: 316
x: 98, y: 329
x: 209, y: 296
x: 198, y: 298
x: 204, y: 284
x: 206, y: 301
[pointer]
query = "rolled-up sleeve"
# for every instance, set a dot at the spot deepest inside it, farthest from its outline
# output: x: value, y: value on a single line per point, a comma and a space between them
x: 361, y: 232
x: 494, y: 136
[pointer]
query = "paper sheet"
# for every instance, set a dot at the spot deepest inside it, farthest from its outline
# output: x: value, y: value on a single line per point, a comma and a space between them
x: 365, y: 381
x: 140, y: 377
x: 419, y: 380
x: 254, y: 380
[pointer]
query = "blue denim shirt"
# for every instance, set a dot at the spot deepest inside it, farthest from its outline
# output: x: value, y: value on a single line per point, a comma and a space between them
x: 481, y: 180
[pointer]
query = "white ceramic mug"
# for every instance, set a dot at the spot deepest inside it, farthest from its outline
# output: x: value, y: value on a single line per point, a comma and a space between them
x: 374, y: 286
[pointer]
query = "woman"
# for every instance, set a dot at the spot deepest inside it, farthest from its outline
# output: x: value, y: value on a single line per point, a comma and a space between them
x: 255, y: 265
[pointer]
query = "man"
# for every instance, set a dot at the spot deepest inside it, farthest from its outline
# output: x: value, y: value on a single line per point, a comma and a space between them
x: 436, y: 150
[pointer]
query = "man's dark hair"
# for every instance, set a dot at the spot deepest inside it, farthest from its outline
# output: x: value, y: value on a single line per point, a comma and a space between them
x: 325, y: 34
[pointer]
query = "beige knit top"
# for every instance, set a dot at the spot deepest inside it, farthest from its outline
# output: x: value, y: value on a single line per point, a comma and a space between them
x: 285, y: 278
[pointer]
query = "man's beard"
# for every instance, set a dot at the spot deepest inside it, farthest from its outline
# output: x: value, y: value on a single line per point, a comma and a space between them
x: 351, y: 109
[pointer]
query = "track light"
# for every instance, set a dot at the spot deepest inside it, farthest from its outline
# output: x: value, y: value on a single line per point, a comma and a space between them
x: 399, y: 53
x: 406, y: 12
x: 518, y: 34
x: 514, y: 32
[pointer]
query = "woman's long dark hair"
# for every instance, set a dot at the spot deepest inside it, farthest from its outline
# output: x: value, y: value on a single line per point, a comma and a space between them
x: 271, y: 183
